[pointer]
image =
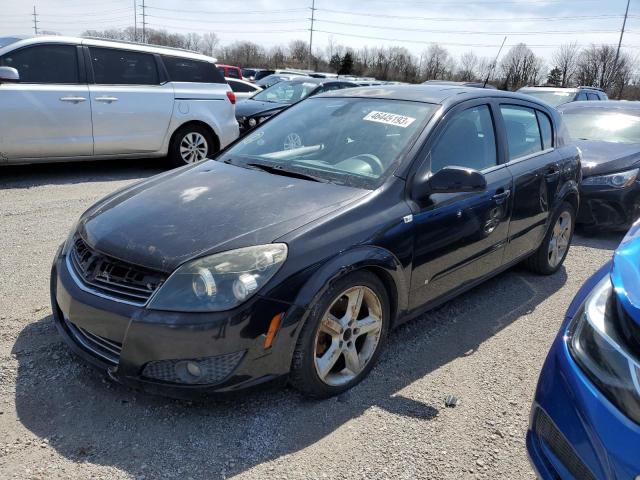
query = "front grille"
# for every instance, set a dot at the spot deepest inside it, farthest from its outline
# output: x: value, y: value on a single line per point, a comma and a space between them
x: 212, y: 369
x: 104, y: 348
x: 110, y: 277
x: 561, y: 448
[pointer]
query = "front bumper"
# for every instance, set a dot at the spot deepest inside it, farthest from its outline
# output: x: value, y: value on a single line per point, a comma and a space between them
x: 575, y: 432
x: 122, y: 339
x: 615, y: 208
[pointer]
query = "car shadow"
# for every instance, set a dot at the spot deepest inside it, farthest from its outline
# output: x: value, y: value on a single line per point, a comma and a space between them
x: 604, y: 240
x: 87, y: 418
x: 39, y: 174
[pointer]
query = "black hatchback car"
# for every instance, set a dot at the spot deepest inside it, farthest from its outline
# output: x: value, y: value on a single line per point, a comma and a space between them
x: 608, y: 134
x: 274, y: 99
x: 294, y: 262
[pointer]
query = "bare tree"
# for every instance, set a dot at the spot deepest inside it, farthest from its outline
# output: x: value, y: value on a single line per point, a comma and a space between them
x: 468, y: 67
x: 520, y: 67
x: 565, y: 59
x: 437, y: 64
x: 209, y: 44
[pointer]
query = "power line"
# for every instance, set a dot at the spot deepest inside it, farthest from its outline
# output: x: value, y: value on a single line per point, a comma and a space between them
x: 248, y: 12
x: 245, y: 32
x: 227, y: 22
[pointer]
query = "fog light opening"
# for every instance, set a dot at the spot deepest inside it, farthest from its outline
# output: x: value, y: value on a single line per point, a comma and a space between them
x: 188, y: 371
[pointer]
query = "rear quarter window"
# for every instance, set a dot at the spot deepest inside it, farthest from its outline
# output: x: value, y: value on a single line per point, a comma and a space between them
x: 188, y: 70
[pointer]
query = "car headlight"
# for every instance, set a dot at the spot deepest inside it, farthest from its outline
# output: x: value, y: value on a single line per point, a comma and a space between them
x: 615, y: 180
x: 252, y: 122
x: 221, y: 281
x: 601, y: 352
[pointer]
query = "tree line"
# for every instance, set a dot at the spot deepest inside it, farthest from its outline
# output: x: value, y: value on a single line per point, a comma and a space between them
x: 570, y: 65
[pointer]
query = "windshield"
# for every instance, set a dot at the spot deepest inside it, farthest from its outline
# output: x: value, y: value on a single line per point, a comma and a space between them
x: 618, y: 126
x: 553, y: 98
x: 286, y: 92
x: 349, y: 141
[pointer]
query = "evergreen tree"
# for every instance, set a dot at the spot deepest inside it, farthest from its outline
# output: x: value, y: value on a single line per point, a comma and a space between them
x: 346, y: 67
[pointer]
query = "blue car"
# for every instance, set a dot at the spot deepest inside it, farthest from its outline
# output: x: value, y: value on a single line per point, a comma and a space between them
x: 585, y: 420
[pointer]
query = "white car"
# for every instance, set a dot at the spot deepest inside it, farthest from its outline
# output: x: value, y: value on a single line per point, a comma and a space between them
x: 65, y: 98
x: 243, y: 89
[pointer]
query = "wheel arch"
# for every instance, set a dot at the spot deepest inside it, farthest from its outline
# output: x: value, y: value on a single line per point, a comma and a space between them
x: 200, y: 123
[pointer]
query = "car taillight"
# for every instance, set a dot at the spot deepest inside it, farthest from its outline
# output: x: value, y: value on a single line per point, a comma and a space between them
x: 232, y: 97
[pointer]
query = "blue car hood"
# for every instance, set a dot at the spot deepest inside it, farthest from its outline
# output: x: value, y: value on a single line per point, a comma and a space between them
x: 625, y: 274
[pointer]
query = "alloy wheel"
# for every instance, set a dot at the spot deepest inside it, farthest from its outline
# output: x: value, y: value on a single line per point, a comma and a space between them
x: 348, y: 335
x: 560, y: 238
x: 193, y: 147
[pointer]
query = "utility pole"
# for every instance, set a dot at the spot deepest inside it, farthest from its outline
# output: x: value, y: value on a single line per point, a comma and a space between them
x: 144, y: 23
x: 615, y: 62
x: 135, y: 20
x: 313, y: 11
x: 35, y: 20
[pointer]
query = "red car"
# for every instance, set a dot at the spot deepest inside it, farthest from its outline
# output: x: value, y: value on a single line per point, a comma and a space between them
x: 229, y: 71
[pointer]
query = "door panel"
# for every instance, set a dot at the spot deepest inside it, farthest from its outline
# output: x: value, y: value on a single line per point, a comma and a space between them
x: 44, y: 121
x: 130, y: 118
x: 460, y: 238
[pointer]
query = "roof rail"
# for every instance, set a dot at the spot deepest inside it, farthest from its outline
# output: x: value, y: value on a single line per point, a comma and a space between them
x: 592, y: 88
x: 129, y: 42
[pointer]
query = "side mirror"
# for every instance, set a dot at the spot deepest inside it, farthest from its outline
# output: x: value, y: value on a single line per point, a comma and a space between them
x: 9, y: 74
x: 450, y: 180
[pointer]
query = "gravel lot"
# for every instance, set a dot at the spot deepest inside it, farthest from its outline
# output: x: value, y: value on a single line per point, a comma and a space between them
x: 59, y: 419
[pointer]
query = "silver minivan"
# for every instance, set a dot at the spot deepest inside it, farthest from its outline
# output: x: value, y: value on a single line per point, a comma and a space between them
x: 64, y: 98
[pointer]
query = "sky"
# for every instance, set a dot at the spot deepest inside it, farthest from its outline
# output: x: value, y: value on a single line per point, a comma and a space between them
x: 458, y: 25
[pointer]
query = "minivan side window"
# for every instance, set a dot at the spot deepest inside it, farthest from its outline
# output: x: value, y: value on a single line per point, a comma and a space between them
x: 545, y: 130
x: 123, y: 67
x: 468, y: 141
x: 188, y: 70
x: 44, y: 63
x: 523, y: 133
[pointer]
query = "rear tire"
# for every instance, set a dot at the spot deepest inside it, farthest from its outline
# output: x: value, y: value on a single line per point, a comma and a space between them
x: 555, y: 245
x: 342, y: 338
x: 191, y: 144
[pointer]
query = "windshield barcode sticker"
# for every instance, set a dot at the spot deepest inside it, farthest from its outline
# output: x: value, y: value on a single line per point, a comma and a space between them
x: 389, y: 119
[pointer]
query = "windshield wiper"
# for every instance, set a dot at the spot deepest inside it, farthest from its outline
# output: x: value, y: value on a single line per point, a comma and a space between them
x: 278, y: 170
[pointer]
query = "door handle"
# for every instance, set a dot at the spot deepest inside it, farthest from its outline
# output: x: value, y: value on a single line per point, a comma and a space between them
x: 106, y: 99
x: 552, y: 172
x: 500, y: 198
x: 72, y: 99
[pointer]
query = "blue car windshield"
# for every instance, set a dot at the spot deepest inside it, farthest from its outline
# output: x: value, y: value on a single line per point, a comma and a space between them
x: 354, y: 141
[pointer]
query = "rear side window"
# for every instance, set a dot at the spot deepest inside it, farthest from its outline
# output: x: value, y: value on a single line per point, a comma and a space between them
x: 123, y: 67
x: 523, y: 133
x: 467, y: 141
x: 241, y: 87
x: 44, y: 63
x: 582, y: 96
x: 187, y: 70
x: 592, y: 96
x: 545, y: 130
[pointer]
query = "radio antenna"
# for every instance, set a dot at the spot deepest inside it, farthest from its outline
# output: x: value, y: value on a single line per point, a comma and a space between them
x: 495, y: 62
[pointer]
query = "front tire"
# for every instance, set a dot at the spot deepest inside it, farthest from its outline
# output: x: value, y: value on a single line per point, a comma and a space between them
x: 343, y: 336
x: 191, y: 144
x: 555, y: 245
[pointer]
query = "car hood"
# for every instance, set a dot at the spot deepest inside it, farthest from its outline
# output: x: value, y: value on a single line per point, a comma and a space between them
x: 607, y: 157
x: 626, y: 272
x: 250, y: 107
x: 166, y: 220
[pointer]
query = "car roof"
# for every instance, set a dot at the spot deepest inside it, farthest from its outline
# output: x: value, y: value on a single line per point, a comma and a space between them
x: 602, y: 104
x: 438, y: 94
x: 320, y: 80
x: 550, y: 89
x: 101, y: 42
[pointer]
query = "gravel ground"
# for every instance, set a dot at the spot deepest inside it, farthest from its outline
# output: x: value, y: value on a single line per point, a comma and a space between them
x: 59, y: 419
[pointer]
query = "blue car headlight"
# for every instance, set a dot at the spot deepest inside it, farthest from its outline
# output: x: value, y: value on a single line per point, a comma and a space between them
x: 221, y: 281
x: 596, y: 343
x: 615, y: 180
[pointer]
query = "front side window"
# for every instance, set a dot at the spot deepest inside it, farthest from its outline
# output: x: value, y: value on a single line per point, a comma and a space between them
x: 350, y: 141
x: 467, y: 141
x: 523, y: 133
x: 582, y: 96
x: 187, y: 70
x: 287, y: 92
x: 615, y: 125
x: 123, y: 67
x: 44, y: 63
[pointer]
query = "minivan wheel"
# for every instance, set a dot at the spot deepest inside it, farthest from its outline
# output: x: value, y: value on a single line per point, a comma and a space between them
x: 555, y: 245
x: 342, y: 337
x: 191, y: 144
